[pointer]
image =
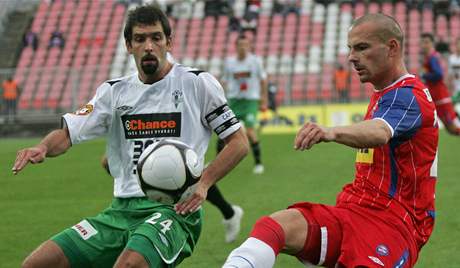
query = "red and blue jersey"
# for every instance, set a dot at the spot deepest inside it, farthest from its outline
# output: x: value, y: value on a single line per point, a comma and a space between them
x: 434, y: 78
x: 400, y: 176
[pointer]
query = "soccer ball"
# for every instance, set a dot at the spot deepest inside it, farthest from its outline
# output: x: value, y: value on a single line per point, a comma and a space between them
x: 168, y: 171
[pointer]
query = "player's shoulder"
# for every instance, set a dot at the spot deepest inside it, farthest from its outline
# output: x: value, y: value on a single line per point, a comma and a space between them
x: 118, y: 81
x: 190, y: 74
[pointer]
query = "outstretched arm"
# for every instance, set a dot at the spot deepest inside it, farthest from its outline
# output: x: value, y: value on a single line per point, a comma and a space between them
x: 235, y: 150
x: 365, y: 134
x: 55, y: 143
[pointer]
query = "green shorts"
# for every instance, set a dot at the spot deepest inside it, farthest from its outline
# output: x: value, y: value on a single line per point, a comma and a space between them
x: 152, y: 229
x: 245, y: 110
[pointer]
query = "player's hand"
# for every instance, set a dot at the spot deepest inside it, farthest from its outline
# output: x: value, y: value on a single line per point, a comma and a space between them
x: 311, y: 134
x: 33, y: 155
x: 195, y: 200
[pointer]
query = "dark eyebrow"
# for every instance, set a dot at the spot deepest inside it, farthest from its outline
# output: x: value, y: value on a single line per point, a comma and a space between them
x: 147, y: 34
x: 359, y: 44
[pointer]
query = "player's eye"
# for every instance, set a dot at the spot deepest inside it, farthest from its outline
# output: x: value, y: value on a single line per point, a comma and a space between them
x: 361, y: 47
x: 157, y: 37
x: 139, y: 38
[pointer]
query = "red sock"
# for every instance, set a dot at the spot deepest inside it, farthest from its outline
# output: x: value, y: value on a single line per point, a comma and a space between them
x: 269, y: 231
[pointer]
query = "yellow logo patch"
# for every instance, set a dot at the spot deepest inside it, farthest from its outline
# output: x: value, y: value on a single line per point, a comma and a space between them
x: 365, y: 155
x: 87, y: 109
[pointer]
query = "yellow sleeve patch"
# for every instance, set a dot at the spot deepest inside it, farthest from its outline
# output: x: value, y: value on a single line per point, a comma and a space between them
x: 365, y: 155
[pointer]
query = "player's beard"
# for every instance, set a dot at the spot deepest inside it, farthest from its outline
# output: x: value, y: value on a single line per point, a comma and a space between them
x: 151, y: 67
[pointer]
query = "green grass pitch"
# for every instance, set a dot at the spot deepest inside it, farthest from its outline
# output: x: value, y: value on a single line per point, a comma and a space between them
x: 46, y: 198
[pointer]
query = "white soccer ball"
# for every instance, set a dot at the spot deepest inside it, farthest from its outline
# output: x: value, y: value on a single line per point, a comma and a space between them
x: 168, y: 170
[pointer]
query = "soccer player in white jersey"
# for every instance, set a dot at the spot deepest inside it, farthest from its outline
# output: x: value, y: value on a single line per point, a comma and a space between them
x: 245, y: 82
x: 133, y: 231
x: 232, y: 214
x: 454, y: 73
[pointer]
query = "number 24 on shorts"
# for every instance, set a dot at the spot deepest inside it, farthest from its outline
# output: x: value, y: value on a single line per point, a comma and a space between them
x: 166, y: 224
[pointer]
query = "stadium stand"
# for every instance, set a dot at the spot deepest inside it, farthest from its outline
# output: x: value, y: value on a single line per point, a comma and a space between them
x: 300, y: 50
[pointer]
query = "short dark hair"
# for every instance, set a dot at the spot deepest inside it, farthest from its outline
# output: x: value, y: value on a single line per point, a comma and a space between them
x: 429, y: 36
x: 146, y: 15
x: 388, y: 27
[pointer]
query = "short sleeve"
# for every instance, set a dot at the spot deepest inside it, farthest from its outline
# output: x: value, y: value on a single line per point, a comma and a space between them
x: 400, y: 110
x: 217, y: 114
x: 93, y: 119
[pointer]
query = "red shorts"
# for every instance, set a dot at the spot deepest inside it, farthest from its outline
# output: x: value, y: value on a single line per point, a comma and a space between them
x: 446, y: 112
x: 355, y: 237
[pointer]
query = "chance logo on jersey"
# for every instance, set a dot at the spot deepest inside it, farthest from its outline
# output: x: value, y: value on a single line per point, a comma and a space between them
x: 151, y: 125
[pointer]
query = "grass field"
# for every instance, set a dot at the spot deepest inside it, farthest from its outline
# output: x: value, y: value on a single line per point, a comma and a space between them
x: 46, y: 198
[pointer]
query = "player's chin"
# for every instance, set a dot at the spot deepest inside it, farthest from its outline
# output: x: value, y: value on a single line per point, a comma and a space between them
x: 149, y: 68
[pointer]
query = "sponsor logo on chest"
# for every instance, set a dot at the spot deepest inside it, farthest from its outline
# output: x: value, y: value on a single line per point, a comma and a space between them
x: 151, y: 125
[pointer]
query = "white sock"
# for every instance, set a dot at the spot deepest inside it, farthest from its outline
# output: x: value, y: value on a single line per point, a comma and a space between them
x: 253, y: 253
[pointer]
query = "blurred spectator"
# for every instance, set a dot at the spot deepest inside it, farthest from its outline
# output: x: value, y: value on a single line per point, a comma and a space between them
x: 291, y: 6
x: 341, y: 83
x: 249, y: 23
x: 216, y: 7
x: 252, y: 9
x: 454, y: 73
x: 10, y: 97
x: 30, y: 39
x: 442, y: 47
x: 56, y: 40
x: 233, y: 22
x: 441, y: 7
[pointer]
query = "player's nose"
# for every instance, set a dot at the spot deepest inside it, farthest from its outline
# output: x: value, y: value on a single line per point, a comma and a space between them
x: 148, y: 45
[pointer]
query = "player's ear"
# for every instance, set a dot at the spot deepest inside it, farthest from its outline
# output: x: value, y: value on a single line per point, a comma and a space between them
x: 169, y: 43
x: 394, y: 47
x: 129, y: 47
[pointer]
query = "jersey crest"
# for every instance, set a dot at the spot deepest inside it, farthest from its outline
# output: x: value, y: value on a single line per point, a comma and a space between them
x: 177, y: 97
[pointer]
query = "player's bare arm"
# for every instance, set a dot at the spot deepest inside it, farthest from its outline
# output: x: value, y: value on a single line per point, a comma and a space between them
x: 235, y: 150
x: 55, y: 143
x: 366, y: 134
x: 263, y: 94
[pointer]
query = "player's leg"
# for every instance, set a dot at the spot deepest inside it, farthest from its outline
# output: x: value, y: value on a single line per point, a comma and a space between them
x: 48, y: 254
x: 232, y: 214
x: 133, y: 259
x: 446, y: 113
x: 255, y: 148
x: 250, y: 119
x: 284, y: 230
x: 163, y: 239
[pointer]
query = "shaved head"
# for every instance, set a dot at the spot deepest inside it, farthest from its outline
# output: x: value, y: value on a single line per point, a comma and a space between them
x: 386, y: 27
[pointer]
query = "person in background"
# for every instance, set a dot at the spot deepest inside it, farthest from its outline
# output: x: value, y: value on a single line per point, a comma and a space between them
x: 433, y: 75
x: 341, y: 83
x: 245, y: 82
x: 454, y: 72
x: 10, y: 97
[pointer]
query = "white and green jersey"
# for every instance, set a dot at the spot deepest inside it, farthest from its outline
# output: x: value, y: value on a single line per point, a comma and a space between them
x: 243, y: 77
x: 454, y: 70
x: 186, y: 105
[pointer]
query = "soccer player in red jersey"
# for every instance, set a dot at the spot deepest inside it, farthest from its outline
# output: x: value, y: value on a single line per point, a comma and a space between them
x: 385, y: 216
x: 433, y: 76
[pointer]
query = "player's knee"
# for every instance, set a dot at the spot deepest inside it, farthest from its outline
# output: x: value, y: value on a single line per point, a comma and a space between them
x: 131, y: 259
x: 49, y: 254
x: 294, y: 226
